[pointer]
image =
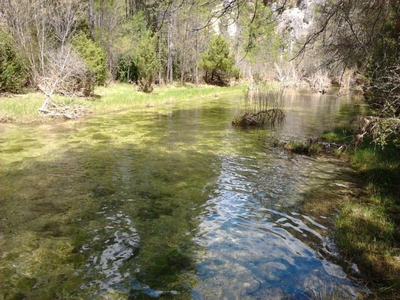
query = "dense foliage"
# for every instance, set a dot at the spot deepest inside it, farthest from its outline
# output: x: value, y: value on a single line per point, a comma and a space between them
x: 217, y: 62
x: 93, y: 56
x: 126, y: 70
x: 111, y: 33
x: 383, y: 73
x: 13, y: 76
x: 147, y: 62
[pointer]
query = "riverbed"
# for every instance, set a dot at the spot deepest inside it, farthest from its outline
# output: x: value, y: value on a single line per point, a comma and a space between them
x: 169, y: 202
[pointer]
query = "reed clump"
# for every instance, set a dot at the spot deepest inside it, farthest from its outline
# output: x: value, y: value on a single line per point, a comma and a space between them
x: 262, y: 108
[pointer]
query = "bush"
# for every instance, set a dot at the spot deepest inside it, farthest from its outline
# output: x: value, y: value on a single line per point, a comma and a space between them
x: 217, y: 62
x: 93, y: 55
x: 147, y: 61
x: 127, y: 70
x: 13, y: 75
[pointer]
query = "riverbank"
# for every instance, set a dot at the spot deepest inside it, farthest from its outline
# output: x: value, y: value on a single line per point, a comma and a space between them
x: 362, y: 206
x: 368, y: 228
x: 23, y: 108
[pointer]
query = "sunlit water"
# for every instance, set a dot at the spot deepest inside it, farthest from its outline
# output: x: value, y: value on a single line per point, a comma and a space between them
x: 168, y: 203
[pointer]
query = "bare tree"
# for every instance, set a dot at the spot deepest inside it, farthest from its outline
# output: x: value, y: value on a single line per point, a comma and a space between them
x: 65, y: 72
x: 346, y: 31
x: 64, y: 17
x: 40, y: 26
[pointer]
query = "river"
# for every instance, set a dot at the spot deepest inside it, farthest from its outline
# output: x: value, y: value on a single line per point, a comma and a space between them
x: 168, y: 202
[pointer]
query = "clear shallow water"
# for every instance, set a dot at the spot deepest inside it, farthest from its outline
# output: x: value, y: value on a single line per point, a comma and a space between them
x: 171, y: 203
x: 258, y: 246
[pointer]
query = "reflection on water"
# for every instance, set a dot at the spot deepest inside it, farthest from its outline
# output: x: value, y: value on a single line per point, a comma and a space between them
x: 256, y: 245
x: 171, y: 204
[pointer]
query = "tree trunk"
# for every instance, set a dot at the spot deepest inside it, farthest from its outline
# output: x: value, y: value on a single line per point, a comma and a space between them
x: 91, y: 20
x: 169, y: 53
x: 159, y: 56
x: 197, y: 58
x: 184, y: 54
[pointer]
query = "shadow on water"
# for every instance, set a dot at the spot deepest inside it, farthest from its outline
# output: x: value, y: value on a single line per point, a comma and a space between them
x: 105, y: 217
x: 173, y: 204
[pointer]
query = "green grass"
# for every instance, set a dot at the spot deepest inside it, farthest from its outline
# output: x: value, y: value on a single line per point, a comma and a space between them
x: 368, y: 226
x: 339, y: 135
x: 366, y: 217
x: 21, y: 108
x: 364, y: 229
x: 116, y: 97
x: 380, y: 168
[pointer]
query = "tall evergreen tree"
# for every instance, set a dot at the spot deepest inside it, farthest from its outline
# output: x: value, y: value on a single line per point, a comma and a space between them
x: 217, y: 62
x: 147, y: 61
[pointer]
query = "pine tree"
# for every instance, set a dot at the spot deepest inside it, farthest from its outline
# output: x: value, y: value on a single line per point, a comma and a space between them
x: 147, y: 62
x: 218, y: 64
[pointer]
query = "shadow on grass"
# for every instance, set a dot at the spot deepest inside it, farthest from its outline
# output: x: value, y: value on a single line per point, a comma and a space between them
x: 366, y: 216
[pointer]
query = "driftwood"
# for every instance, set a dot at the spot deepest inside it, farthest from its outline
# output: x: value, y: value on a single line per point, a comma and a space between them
x: 260, y: 118
x: 50, y: 108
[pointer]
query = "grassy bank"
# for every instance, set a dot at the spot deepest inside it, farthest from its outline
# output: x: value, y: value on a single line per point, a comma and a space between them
x: 365, y: 213
x: 116, y: 97
x: 368, y: 227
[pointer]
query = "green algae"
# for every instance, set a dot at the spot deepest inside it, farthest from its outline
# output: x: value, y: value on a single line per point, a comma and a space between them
x: 108, y: 207
x: 64, y: 194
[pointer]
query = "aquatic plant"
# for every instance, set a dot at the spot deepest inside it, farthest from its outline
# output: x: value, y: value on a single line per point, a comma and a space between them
x: 301, y: 147
x: 261, y: 108
x: 249, y: 119
x: 312, y: 147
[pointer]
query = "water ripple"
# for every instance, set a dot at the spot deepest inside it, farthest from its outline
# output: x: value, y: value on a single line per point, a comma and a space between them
x: 122, y: 244
x: 254, y: 248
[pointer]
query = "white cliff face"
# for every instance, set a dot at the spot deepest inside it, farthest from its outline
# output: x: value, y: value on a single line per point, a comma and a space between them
x: 232, y: 26
x: 292, y: 20
x: 296, y: 21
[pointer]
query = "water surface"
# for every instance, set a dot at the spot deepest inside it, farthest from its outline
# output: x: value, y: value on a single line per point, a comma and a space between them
x: 169, y: 203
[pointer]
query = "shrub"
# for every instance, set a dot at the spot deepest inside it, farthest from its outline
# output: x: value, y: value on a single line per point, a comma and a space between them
x: 93, y: 55
x: 13, y: 75
x: 147, y: 61
x: 217, y: 62
x: 127, y: 70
